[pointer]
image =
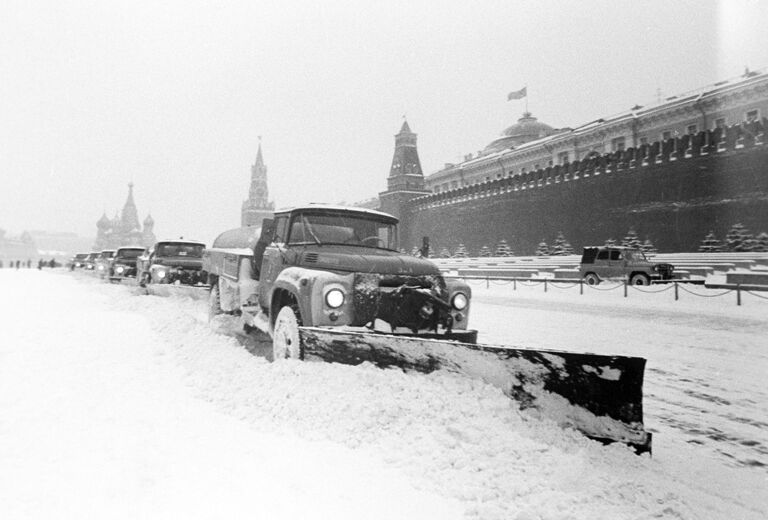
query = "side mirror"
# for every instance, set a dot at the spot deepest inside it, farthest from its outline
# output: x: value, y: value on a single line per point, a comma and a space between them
x: 267, y: 230
x: 266, y: 237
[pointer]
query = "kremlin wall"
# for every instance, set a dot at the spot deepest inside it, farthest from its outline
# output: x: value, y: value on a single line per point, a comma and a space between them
x: 672, y: 172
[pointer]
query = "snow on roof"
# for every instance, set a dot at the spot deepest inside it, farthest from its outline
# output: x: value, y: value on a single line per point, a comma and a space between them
x: 332, y: 207
x: 180, y: 241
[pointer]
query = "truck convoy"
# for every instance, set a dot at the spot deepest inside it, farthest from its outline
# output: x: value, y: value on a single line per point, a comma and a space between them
x: 328, y: 283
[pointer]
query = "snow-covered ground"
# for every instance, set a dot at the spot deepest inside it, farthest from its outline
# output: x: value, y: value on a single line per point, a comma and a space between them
x: 115, y: 404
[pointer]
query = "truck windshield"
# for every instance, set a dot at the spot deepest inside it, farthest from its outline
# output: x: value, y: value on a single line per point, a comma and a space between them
x: 345, y: 229
x: 129, y: 253
x: 192, y: 250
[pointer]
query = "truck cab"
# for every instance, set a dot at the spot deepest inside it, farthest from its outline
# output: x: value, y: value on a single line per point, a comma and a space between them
x: 124, y: 263
x: 177, y: 262
x: 334, y: 266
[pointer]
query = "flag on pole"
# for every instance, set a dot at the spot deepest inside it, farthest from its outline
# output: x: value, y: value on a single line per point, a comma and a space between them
x: 517, y: 94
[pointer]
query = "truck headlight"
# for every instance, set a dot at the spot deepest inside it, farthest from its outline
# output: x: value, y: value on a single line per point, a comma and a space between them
x: 334, y: 298
x: 161, y: 274
x: 119, y: 269
x: 459, y: 301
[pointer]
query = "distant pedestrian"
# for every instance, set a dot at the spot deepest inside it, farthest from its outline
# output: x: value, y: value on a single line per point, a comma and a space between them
x: 52, y: 263
x: 40, y: 264
x: 18, y: 264
x: 29, y: 263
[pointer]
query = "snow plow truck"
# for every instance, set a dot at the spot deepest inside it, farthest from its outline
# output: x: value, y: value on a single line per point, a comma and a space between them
x: 328, y: 283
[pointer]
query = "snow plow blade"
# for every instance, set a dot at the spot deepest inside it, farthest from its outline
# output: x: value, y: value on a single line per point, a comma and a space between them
x: 601, y: 396
x: 195, y: 292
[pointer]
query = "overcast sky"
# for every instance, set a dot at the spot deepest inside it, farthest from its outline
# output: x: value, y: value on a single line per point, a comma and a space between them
x: 175, y: 94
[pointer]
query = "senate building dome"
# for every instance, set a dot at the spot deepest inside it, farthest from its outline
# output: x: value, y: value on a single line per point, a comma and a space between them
x: 527, y: 129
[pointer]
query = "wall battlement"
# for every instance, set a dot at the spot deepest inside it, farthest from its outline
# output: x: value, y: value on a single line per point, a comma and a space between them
x: 673, y: 192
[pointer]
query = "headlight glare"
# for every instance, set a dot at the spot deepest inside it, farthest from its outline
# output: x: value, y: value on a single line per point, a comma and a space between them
x: 334, y: 298
x: 459, y: 301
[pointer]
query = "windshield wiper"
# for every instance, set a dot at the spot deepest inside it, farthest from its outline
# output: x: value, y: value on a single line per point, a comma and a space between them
x: 308, y: 228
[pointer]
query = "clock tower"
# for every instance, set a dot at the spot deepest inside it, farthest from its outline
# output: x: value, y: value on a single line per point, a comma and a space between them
x: 258, y: 206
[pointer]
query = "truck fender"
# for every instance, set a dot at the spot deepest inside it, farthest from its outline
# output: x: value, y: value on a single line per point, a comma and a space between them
x: 292, y: 282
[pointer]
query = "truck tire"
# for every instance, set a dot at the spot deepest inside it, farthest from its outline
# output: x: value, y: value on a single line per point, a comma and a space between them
x: 285, y: 338
x: 640, y: 279
x: 592, y: 279
x: 214, y: 301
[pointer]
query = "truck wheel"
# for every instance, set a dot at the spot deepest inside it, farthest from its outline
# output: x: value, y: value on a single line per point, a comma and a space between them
x: 639, y: 279
x: 214, y: 301
x: 285, y: 338
x: 592, y: 279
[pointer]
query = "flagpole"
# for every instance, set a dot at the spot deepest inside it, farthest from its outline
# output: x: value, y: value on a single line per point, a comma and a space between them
x: 526, y: 98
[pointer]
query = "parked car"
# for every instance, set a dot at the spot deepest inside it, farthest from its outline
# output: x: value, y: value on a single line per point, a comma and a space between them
x: 172, y: 262
x: 626, y: 263
x: 123, y: 264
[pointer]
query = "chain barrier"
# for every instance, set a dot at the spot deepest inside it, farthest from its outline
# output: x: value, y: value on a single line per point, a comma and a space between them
x: 636, y: 287
x: 758, y: 295
x: 553, y: 284
x: 596, y: 288
x: 548, y: 282
x: 706, y: 295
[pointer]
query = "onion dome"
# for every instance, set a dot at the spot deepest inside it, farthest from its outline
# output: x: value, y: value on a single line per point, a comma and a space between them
x: 103, y: 222
x: 149, y: 221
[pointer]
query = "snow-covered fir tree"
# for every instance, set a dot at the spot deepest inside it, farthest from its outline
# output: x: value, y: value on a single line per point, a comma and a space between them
x: 561, y: 246
x: 610, y: 242
x: 739, y: 239
x: 710, y: 244
x: 761, y: 243
x: 502, y: 249
x: 444, y: 253
x: 485, y: 252
x: 461, y: 252
x: 631, y: 240
x: 647, y: 247
x: 543, y: 249
x: 415, y: 251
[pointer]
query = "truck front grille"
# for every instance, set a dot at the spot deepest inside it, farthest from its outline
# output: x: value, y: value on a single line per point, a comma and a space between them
x: 414, y: 302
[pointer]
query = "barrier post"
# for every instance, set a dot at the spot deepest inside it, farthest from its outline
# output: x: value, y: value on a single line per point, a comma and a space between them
x: 625, y: 288
x: 514, y: 284
x: 738, y: 294
x: 581, y: 286
x: 676, y: 296
x: 545, y: 285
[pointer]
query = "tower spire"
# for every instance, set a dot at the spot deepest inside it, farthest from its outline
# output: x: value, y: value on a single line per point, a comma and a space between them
x: 257, y: 206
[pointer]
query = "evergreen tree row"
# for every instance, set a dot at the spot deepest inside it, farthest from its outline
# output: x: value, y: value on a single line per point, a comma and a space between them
x: 738, y: 239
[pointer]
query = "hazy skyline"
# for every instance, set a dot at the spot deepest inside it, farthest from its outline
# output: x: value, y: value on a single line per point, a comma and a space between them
x: 174, y: 95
